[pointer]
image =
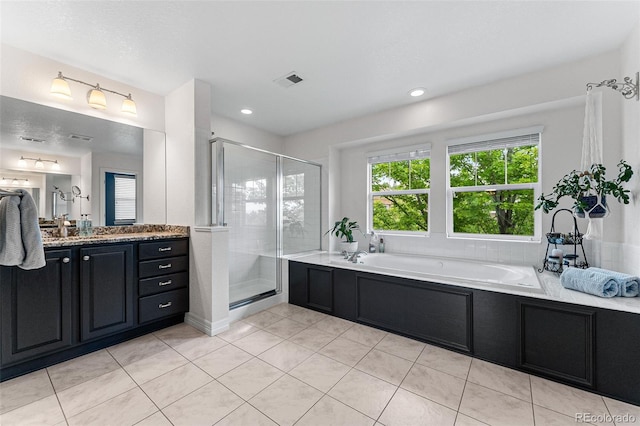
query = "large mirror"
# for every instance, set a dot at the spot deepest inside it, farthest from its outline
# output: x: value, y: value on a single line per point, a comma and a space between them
x: 74, y: 164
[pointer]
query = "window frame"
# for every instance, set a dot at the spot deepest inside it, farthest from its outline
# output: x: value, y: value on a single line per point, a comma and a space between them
x: 536, y: 186
x: 387, y: 156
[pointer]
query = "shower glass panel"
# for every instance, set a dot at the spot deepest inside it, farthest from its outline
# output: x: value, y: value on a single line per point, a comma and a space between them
x: 251, y: 213
x: 300, y: 206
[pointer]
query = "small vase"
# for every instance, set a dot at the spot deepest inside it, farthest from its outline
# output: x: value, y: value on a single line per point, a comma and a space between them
x: 596, y: 207
x: 348, y: 247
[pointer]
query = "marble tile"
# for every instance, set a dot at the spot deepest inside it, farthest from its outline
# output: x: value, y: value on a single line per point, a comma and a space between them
x: 545, y: 417
x: 125, y: 409
x: 333, y: 325
x: 307, y: 316
x: 178, y: 334
x: 199, y: 346
x: 286, y: 400
x: 320, y: 372
x: 94, y: 392
x: 250, y: 378
x: 345, y: 351
x: 385, y: 366
x: 446, y: 361
x: 285, y: 328
x: 285, y: 309
x: 463, y: 420
x: 237, y: 331
x: 263, y: 319
x: 205, y: 406
x: 364, y: 335
x: 363, y: 392
x: 24, y: 390
x: 403, y: 347
x: 622, y: 409
x: 286, y: 355
x: 565, y: 399
x: 495, y: 408
x: 81, y: 369
x: 45, y: 411
x: 157, y: 419
x: 135, y: 350
x: 154, y: 366
x: 434, y: 385
x: 406, y: 408
x: 502, y: 379
x: 312, y: 339
x: 223, y: 360
x: 175, y: 384
x: 246, y: 415
x: 258, y: 342
x: 329, y: 411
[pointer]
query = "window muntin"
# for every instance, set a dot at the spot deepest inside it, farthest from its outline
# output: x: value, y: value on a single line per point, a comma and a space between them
x: 492, y: 186
x: 399, y: 192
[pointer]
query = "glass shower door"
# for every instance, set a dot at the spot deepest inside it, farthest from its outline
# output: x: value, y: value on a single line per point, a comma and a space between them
x: 251, y: 213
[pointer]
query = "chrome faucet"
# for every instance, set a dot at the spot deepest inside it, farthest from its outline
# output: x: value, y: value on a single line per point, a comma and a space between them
x: 354, y: 257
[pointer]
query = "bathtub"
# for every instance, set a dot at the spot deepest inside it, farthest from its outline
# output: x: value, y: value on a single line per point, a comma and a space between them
x: 450, y: 271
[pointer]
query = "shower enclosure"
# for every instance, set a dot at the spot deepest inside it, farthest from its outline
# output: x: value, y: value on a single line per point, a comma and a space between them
x: 271, y: 205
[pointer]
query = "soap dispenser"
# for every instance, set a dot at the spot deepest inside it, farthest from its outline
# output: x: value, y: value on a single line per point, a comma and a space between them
x: 381, y: 246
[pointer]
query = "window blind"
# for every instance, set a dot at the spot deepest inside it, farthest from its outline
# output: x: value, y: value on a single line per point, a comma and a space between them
x: 125, y: 198
x: 416, y: 154
x: 489, y: 145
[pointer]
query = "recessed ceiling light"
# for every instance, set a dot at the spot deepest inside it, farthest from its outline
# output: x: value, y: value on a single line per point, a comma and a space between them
x: 416, y: 92
x: 246, y: 111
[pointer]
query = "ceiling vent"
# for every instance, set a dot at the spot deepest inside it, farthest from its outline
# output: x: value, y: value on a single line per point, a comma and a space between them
x: 288, y: 80
x: 28, y: 139
x: 75, y: 137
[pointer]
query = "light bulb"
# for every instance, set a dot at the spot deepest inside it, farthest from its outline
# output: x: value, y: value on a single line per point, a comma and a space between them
x: 60, y: 87
x: 129, y: 106
x: 15, y: 182
x: 246, y: 111
x: 39, y: 164
x: 55, y: 165
x: 96, y: 98
x: 22, y: 162
x: 417, y: 92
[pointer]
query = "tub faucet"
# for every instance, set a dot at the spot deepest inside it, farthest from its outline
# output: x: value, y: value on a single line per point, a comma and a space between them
x: 354, y: 257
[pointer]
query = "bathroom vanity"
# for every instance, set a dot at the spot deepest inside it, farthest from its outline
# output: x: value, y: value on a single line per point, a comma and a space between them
x: 593, y: 347
x: 93, y: 292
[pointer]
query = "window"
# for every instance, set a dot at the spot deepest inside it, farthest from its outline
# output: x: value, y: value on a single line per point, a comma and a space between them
x: 120, y: 199
x: 492, y: 186
x: 399, y: 192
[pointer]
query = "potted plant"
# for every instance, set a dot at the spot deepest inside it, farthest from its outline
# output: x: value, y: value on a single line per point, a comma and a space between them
x: 588, y: 189
x: 344, y: 229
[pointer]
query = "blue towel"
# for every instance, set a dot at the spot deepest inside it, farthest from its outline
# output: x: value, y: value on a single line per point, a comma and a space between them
x: 629, y: 284
x: 590, y: 281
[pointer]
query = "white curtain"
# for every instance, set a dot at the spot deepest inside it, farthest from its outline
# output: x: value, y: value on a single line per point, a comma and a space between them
x: 592, y: 149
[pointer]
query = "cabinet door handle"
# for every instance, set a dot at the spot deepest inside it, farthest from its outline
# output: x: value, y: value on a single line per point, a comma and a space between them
x: 166, y: 305
x: 161, y: 283
x: 168, y: 265
x: 65, y: 260
x: 85, y: 257
x: 164, y: 249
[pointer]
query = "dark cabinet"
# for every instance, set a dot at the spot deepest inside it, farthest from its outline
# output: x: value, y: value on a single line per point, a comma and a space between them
x: 106, y: 288
x: 312, y: 286
x: 37, y: 312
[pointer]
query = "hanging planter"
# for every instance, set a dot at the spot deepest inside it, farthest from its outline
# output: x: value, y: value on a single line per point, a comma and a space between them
x: 592, y: 206
x: 588, y: 189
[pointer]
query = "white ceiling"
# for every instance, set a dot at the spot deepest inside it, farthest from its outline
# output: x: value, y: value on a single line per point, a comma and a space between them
x: 355, y: 57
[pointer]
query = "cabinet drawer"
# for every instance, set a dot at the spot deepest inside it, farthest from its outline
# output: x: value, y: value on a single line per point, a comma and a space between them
x: 164, y: 304
x: 160, y: 249
x: 169, y: 265
x: 162, y: 283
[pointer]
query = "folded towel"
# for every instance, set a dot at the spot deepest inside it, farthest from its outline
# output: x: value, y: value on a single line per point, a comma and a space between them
x: 629, y: 284
x: 20, y: 239
x: 589, y: 281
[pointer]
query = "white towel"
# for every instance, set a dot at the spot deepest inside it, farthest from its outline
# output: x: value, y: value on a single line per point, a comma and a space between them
x: 20, y: 239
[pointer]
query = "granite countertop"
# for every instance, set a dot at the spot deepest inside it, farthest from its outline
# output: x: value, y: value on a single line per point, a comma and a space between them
x: 115, y: 234
x: 553, y: 289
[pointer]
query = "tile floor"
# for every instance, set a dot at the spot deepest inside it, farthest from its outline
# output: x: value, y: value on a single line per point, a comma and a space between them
x: 285, y: 366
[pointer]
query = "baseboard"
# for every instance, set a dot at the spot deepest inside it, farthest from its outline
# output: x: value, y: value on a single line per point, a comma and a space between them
x: 206, y: 326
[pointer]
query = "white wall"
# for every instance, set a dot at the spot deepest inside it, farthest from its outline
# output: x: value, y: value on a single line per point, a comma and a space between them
x: 235, y: 131
x: 154, y: 202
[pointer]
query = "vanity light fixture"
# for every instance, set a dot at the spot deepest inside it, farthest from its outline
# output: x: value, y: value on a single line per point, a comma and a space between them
x: 627, y: 88
x: 39, y: 163
x: 14, y: 181
x: 418, y: 91
x: 246, y: 111
x: 95, y: 97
